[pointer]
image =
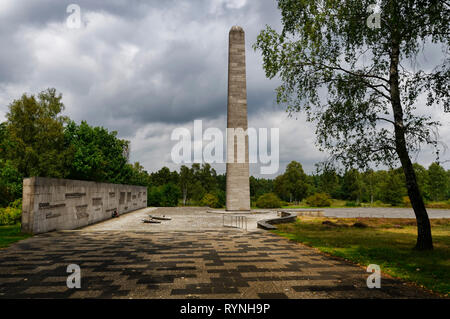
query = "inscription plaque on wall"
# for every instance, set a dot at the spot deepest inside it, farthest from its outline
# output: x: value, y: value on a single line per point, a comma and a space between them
x: 82, y: 211
x: 75, y: 195
x: 97, y: 201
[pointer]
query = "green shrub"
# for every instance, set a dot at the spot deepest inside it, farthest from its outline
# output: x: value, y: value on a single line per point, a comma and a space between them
x: 269, y: 200
x: 211, y: 200
x: 406, y: 201
x: 352, y: 204
x: 10, y: 215
x: 163, y: 196
x: 319, y: 200
x: 16, y: 204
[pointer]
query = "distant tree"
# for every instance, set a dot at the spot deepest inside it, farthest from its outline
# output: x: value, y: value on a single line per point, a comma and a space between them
x: 351, y: 185
x: 186, y: 180
x: 319, y: 200
x: 207, y: 176
x: 328, y: 182
x: 368, y: 179
x: 260, y: 186
x: 437, y: 182
x: 139, y: 176
x: 367, y: 114
x: 170, y: 195
x: 163, y: 196
x: 393, y: 188
x: 293, y: 184
x: 154, y: 196
x: 162, y: 177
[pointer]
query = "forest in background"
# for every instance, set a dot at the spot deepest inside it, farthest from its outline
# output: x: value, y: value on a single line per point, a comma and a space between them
x: 36, y: 140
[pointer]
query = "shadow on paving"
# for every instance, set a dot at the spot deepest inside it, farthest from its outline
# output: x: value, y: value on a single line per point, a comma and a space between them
x: 201, y: 264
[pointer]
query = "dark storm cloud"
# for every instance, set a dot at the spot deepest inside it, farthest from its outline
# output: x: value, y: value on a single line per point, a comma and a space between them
x: 143, y: 68
x: 183, y: 80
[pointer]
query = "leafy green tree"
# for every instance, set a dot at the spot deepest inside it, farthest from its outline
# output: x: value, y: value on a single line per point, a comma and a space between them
x: 293, y: 184
x: 139, y: 176
x: 35, y: 131
x: 97, y: 155
x: 260, y: 186
x: 368, y: 113
x: 164, y: 195
x: 437, y: 182
x: 328, y: 182
x: 393, y: 188
x: 368, y: 180
x: 198, y: 191
x: 170, y: 195
x: 154, y: 196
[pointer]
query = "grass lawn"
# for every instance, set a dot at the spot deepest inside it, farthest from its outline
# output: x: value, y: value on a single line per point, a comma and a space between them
x: 10, y: 234
x: 385, y: 242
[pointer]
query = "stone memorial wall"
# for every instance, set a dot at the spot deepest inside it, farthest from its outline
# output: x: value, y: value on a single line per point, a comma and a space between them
x: 60, y: 204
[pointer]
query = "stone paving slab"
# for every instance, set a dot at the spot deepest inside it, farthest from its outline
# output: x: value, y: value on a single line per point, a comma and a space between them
x: 221, y: 263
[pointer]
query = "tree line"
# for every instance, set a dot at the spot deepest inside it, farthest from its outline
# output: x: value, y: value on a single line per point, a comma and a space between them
x: 36, y: 140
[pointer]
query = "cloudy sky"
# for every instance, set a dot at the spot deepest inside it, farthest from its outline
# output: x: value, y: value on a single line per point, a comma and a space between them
x: 144, y: 68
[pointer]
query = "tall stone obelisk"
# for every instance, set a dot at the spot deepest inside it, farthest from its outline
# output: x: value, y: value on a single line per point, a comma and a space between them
x: 238, y: 184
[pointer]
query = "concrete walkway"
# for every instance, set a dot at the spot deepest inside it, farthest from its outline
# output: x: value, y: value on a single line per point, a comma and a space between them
x: 124, y: 258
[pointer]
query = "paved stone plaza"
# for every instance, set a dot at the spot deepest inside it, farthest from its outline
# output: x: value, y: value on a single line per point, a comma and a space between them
x: 124, y: 258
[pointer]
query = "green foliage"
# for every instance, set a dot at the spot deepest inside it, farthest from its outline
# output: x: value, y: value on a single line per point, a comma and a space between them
x: 269, y: 200
x: 170, y: 195
x: 163, y: 196
x: 326, y: 46
x: 260, y: 186
x: 154, y: 196
x: 138, y: 175
x: 35, y: 136
x: 210, y: 200
x: 351, y: 81
x: 319, y: 200
x: 10, y: 215
x: 293, y: 185
x: 197, y: 181
x: 437, y: 182
x: 352, y: 204
x: 351, y: 185
x: 393, y: 188
x: 97, y: 154
x: 10, y: 183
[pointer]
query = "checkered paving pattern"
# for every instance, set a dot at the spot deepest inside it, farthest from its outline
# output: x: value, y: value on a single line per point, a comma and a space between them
x: 202, y: 264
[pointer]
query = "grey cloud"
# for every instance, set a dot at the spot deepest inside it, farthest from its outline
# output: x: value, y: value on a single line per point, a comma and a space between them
x: 143, y: 68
